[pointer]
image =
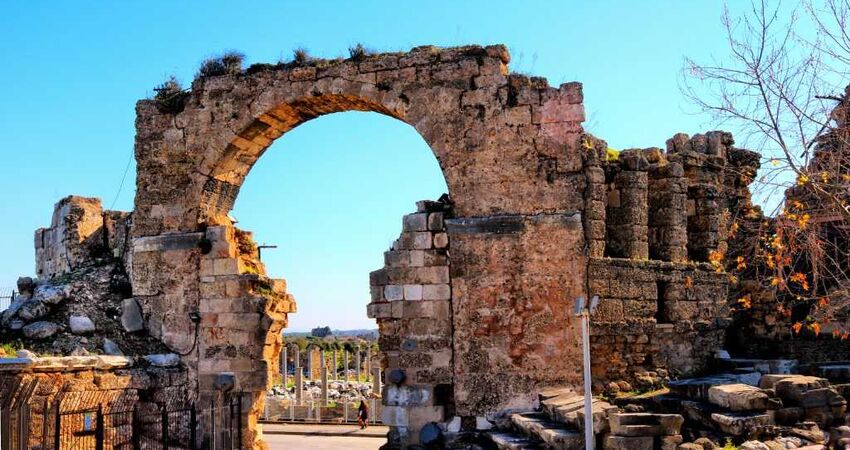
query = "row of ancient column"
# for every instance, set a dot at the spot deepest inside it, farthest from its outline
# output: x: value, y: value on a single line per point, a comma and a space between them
x: 325, y: 378
x: 335, y: 363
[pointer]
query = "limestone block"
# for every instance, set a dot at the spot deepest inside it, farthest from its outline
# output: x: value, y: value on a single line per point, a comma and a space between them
x: 422, y: 240
x: 413, y: 292
x: 441, y: 240
x: 435, y: 221
x: 821, y: 397
x: 791, y: 389
x: 381, y: 310
x: 738, y: 397
x: 738, y: 424
x: 436, y: 292
x: 394, y: 416
x: 627, y: 443
x: 670, y: 442
x: 393, y: 292
x: 415, y: 222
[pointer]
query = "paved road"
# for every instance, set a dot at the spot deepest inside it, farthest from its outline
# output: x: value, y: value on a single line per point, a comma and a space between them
x: 318, y: 442
x: 321, y: 437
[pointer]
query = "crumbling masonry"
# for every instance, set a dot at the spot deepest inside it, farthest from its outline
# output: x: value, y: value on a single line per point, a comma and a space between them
x: 475, y: 302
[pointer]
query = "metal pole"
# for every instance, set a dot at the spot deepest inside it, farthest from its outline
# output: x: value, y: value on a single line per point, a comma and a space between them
x: 588, y: 398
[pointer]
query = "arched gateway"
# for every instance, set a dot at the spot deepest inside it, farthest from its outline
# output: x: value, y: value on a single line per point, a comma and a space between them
x: 508, y: 146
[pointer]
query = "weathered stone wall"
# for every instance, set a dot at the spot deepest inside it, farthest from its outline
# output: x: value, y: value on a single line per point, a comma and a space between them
x: 507, y: 145
x: 653, y: 213
x: 655, y: 315
x: 411, y: 300
x: 79, y: 231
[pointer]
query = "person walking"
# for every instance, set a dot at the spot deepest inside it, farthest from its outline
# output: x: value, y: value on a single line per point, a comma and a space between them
x: 363, y: 415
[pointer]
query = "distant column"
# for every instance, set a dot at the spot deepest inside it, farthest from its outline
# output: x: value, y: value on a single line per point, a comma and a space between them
x: 299, y: 386
x: 322, y: 362
x: 325, y: 386
x: 376, y: 381
x: 345, y: 373
x: 358, y: 361
x: 334, y: 373
x: 297, y: 358
x: 368, y: 364
x: 283, y: 371
x: 309, y: 364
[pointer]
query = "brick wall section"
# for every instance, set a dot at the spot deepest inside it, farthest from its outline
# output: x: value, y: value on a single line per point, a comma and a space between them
x: 411, y: 300
x: 629, y: 334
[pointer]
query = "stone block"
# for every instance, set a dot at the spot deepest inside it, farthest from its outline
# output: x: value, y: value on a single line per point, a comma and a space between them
x: 436, y: 292
x: 225, y: 266
x: 627, y: 443
x: 393, y: 292
x: 821, y: 397
x: 435, y: 221
x: 394, y: 416
x: 739, y: 424
x: 415, y: 222
x: 421, y: 240
x: 791, y: 389
x: 738, y: 397
x: 670, y: 442
x: 441, y: 240
x: 413, y: 292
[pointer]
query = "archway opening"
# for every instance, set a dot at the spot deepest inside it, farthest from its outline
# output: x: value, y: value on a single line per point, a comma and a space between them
x: 326, y: 208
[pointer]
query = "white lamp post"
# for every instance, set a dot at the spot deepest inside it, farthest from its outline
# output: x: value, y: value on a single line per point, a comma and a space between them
x: 583, y: 310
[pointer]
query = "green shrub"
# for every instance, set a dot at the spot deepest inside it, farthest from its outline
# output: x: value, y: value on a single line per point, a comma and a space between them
x: 229, y: 63
x: 300, y: 56
x: 358, y: 52
x: 170, y: 96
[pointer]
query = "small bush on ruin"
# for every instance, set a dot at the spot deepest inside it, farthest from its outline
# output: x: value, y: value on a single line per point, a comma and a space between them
x: 358, y: 52
x: 170, y: 96
x: 230, y: 63
x: 300, y: 56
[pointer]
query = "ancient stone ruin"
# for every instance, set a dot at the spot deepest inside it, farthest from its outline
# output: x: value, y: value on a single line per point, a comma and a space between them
x: 475, y: 301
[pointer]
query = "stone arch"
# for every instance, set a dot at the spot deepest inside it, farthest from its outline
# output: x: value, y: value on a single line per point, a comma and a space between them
x: 508, y: 147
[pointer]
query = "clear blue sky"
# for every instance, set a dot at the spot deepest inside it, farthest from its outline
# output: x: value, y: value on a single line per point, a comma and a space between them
x: 330, y: 193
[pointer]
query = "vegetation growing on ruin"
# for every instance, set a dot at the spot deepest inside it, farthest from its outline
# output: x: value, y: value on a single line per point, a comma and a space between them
x: 228, y: 63
x: 170, y: 97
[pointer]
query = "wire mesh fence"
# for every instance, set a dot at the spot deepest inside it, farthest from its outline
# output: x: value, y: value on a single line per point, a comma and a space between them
x: 7, y: 294
x: 83, y: 421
